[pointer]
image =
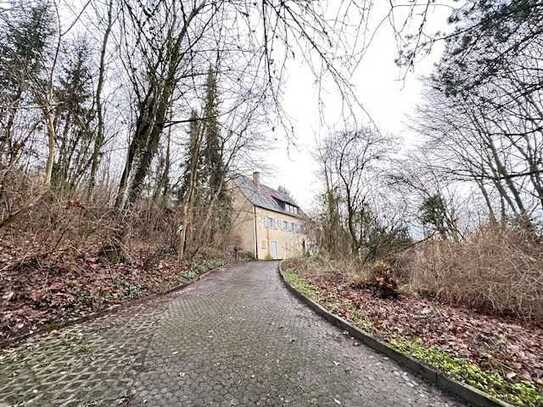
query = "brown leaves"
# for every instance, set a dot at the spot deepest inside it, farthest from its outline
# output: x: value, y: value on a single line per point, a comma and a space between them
x: 509, y: 346
x: 56, y: 290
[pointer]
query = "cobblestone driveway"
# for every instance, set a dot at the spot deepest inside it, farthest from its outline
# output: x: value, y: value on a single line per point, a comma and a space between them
x: 235, y: 338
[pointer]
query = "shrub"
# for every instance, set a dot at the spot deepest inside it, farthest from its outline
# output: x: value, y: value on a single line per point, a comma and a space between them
x: 495, y: 269
x: 378, y: 276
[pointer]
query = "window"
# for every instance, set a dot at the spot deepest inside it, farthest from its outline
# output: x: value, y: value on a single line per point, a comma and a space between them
x: 268, y: 222
x: 291, y: 209
x: 285, y: 226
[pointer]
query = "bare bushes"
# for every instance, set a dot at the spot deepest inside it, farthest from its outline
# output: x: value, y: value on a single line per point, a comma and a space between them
x: 495, y: 269
x: 38, y: 225
x: 63, y: 255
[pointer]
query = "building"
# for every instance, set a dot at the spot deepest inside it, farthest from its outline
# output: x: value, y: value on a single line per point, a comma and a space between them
x: 267, y: 223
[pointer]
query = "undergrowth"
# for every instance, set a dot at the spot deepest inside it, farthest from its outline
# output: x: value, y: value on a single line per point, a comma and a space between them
x: 520, y: 393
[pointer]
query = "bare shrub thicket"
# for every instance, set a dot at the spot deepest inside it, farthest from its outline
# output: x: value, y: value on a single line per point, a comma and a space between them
x: 40, y: 225
x: 495, y: 269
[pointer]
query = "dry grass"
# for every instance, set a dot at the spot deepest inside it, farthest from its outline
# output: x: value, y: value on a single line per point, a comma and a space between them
x: 497, y: 270
x: 37, y: 225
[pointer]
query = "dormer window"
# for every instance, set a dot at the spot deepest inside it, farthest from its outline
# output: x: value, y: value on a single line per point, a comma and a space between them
x: 291, y: 209
x: 286, y: 206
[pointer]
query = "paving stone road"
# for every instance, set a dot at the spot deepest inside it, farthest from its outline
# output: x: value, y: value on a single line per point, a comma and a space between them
x: 235, y: 338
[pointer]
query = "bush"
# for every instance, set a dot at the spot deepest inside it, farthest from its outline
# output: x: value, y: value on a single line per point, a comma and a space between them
x: 496, y: 269
x: 379, y: 276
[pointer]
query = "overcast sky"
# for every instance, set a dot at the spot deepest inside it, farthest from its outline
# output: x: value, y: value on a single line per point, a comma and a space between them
x: 379, y: 86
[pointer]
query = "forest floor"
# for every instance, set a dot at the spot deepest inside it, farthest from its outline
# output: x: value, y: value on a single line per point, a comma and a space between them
x: 500, y: 355
x: 40, y: 292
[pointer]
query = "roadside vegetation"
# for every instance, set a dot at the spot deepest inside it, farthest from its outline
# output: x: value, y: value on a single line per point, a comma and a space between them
x: 438, y: 247
x: 497, y: 354
x: 63, y: 260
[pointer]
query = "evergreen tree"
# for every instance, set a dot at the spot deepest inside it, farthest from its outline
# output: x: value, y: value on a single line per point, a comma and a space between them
x: 215, y: 171
x: 433, y: 214
x: 193, y: 163
x: 213, y: 162
x: 203, y: 182
x: 23, y: 59
x: 75, y: 115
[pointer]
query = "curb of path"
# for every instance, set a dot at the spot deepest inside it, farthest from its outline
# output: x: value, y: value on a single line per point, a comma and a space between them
x: 110, y: 310
x: 464, y: 391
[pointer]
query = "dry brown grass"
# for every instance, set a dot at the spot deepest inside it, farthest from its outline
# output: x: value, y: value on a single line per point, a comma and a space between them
x: 496, y: 269
x: 38, y: 224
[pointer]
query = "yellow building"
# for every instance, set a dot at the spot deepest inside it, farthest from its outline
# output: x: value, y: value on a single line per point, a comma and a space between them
x: 267, y: 222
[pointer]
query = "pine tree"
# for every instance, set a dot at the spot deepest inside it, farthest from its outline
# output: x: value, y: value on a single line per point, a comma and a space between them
x: 23, y: 58
x: 75, y: 115
x: 193, y: 162
x: 215, y: 171
x: 213, y: 163
x: 433, y: 214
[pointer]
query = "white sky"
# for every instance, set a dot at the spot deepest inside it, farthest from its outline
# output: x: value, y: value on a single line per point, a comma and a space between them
x: 379, y: 87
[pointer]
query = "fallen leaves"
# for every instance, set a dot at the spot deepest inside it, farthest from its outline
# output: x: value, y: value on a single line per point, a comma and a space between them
x: 50, y: 292
x: 501, y: 344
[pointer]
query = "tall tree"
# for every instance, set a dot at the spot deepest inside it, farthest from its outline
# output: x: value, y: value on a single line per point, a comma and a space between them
x: 26, y: 30
x: 190, y: 193
x: 212, y: 154
x: 74, y: 113
x: 162, y: 56
x: 100, y: 127
x: 192, y: 177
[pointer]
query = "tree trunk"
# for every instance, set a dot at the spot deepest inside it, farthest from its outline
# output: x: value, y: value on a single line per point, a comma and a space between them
x: 51, y: 136
x: 99, y: 139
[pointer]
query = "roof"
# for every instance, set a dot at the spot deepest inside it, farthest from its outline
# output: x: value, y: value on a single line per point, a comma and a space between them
x: 265, y: 197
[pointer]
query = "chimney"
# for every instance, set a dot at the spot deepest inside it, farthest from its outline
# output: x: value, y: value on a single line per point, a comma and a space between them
x: 256, y: 178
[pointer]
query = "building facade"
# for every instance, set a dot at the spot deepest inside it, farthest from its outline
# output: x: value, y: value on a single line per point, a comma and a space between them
x: 267, y: 223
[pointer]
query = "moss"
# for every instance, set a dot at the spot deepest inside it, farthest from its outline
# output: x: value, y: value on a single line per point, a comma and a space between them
x: 53, y: 326
x: 303, y: 286
x: 359, y: 319
x: 463, y: 370
x: 332, y: 304
x: 201, y: 267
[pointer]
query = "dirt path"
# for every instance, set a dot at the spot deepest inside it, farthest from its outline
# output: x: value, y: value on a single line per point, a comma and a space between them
x: 235, y: 338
